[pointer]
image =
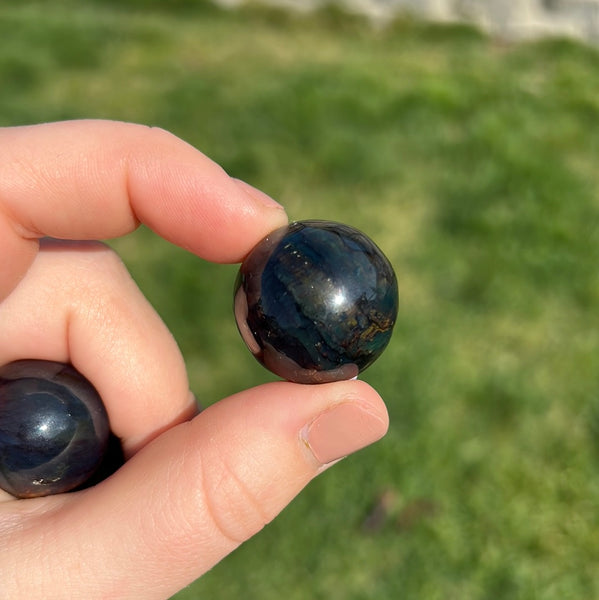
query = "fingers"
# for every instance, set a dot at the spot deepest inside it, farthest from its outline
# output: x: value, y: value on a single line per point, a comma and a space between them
x: 77, y: 303
x: 194, y: 494
x: 99, y: 179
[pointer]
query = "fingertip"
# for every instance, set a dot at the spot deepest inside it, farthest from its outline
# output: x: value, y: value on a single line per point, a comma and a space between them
x: 201, y: 207
x: 343, y: 430
x: 265, y: 216
x: 330, y: 420
x: 258, y: 195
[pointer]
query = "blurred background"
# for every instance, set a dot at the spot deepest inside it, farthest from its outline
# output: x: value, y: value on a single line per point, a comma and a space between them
x: 473, y: 162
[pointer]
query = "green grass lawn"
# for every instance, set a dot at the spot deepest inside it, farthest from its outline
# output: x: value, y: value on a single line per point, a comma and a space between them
x: 475, y: 166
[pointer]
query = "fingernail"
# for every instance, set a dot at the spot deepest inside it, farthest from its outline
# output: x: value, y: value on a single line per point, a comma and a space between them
x: 258, y: 195
x: 342, y: 430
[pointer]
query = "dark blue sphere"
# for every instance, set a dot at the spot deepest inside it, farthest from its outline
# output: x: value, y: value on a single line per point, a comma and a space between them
x: 53, y: 428
x: 316, y: 301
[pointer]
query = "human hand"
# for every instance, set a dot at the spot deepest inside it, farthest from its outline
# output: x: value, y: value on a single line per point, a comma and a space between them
x: 194, y: 487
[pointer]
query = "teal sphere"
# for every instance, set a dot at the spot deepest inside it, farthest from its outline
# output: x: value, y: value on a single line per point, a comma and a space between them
x: 316, y: 301
x: 54, y: 429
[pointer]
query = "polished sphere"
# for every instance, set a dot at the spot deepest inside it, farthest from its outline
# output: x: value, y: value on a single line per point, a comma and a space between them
x: 316, y: 301
x: 53, y: 428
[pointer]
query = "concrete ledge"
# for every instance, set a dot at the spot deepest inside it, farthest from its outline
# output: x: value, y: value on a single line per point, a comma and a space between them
x: 508, y: 19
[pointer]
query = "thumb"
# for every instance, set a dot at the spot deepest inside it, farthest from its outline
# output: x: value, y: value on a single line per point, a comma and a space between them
x: 199, y: 490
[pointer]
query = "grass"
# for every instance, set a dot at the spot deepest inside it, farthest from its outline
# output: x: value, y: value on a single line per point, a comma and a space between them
x: 474, y: 166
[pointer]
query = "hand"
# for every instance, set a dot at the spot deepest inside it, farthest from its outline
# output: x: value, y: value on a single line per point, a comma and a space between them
x: 194, y: 487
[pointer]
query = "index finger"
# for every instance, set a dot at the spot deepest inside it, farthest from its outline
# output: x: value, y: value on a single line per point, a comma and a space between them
x: 100, y: 179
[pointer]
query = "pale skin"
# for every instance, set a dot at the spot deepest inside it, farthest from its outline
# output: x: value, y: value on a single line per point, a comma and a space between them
x: 195, y: 486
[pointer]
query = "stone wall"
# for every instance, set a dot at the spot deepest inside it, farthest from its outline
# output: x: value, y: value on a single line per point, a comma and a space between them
x: 509, y: 19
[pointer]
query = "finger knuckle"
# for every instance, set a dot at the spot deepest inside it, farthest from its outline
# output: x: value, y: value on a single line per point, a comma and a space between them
x: 232, y: 501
